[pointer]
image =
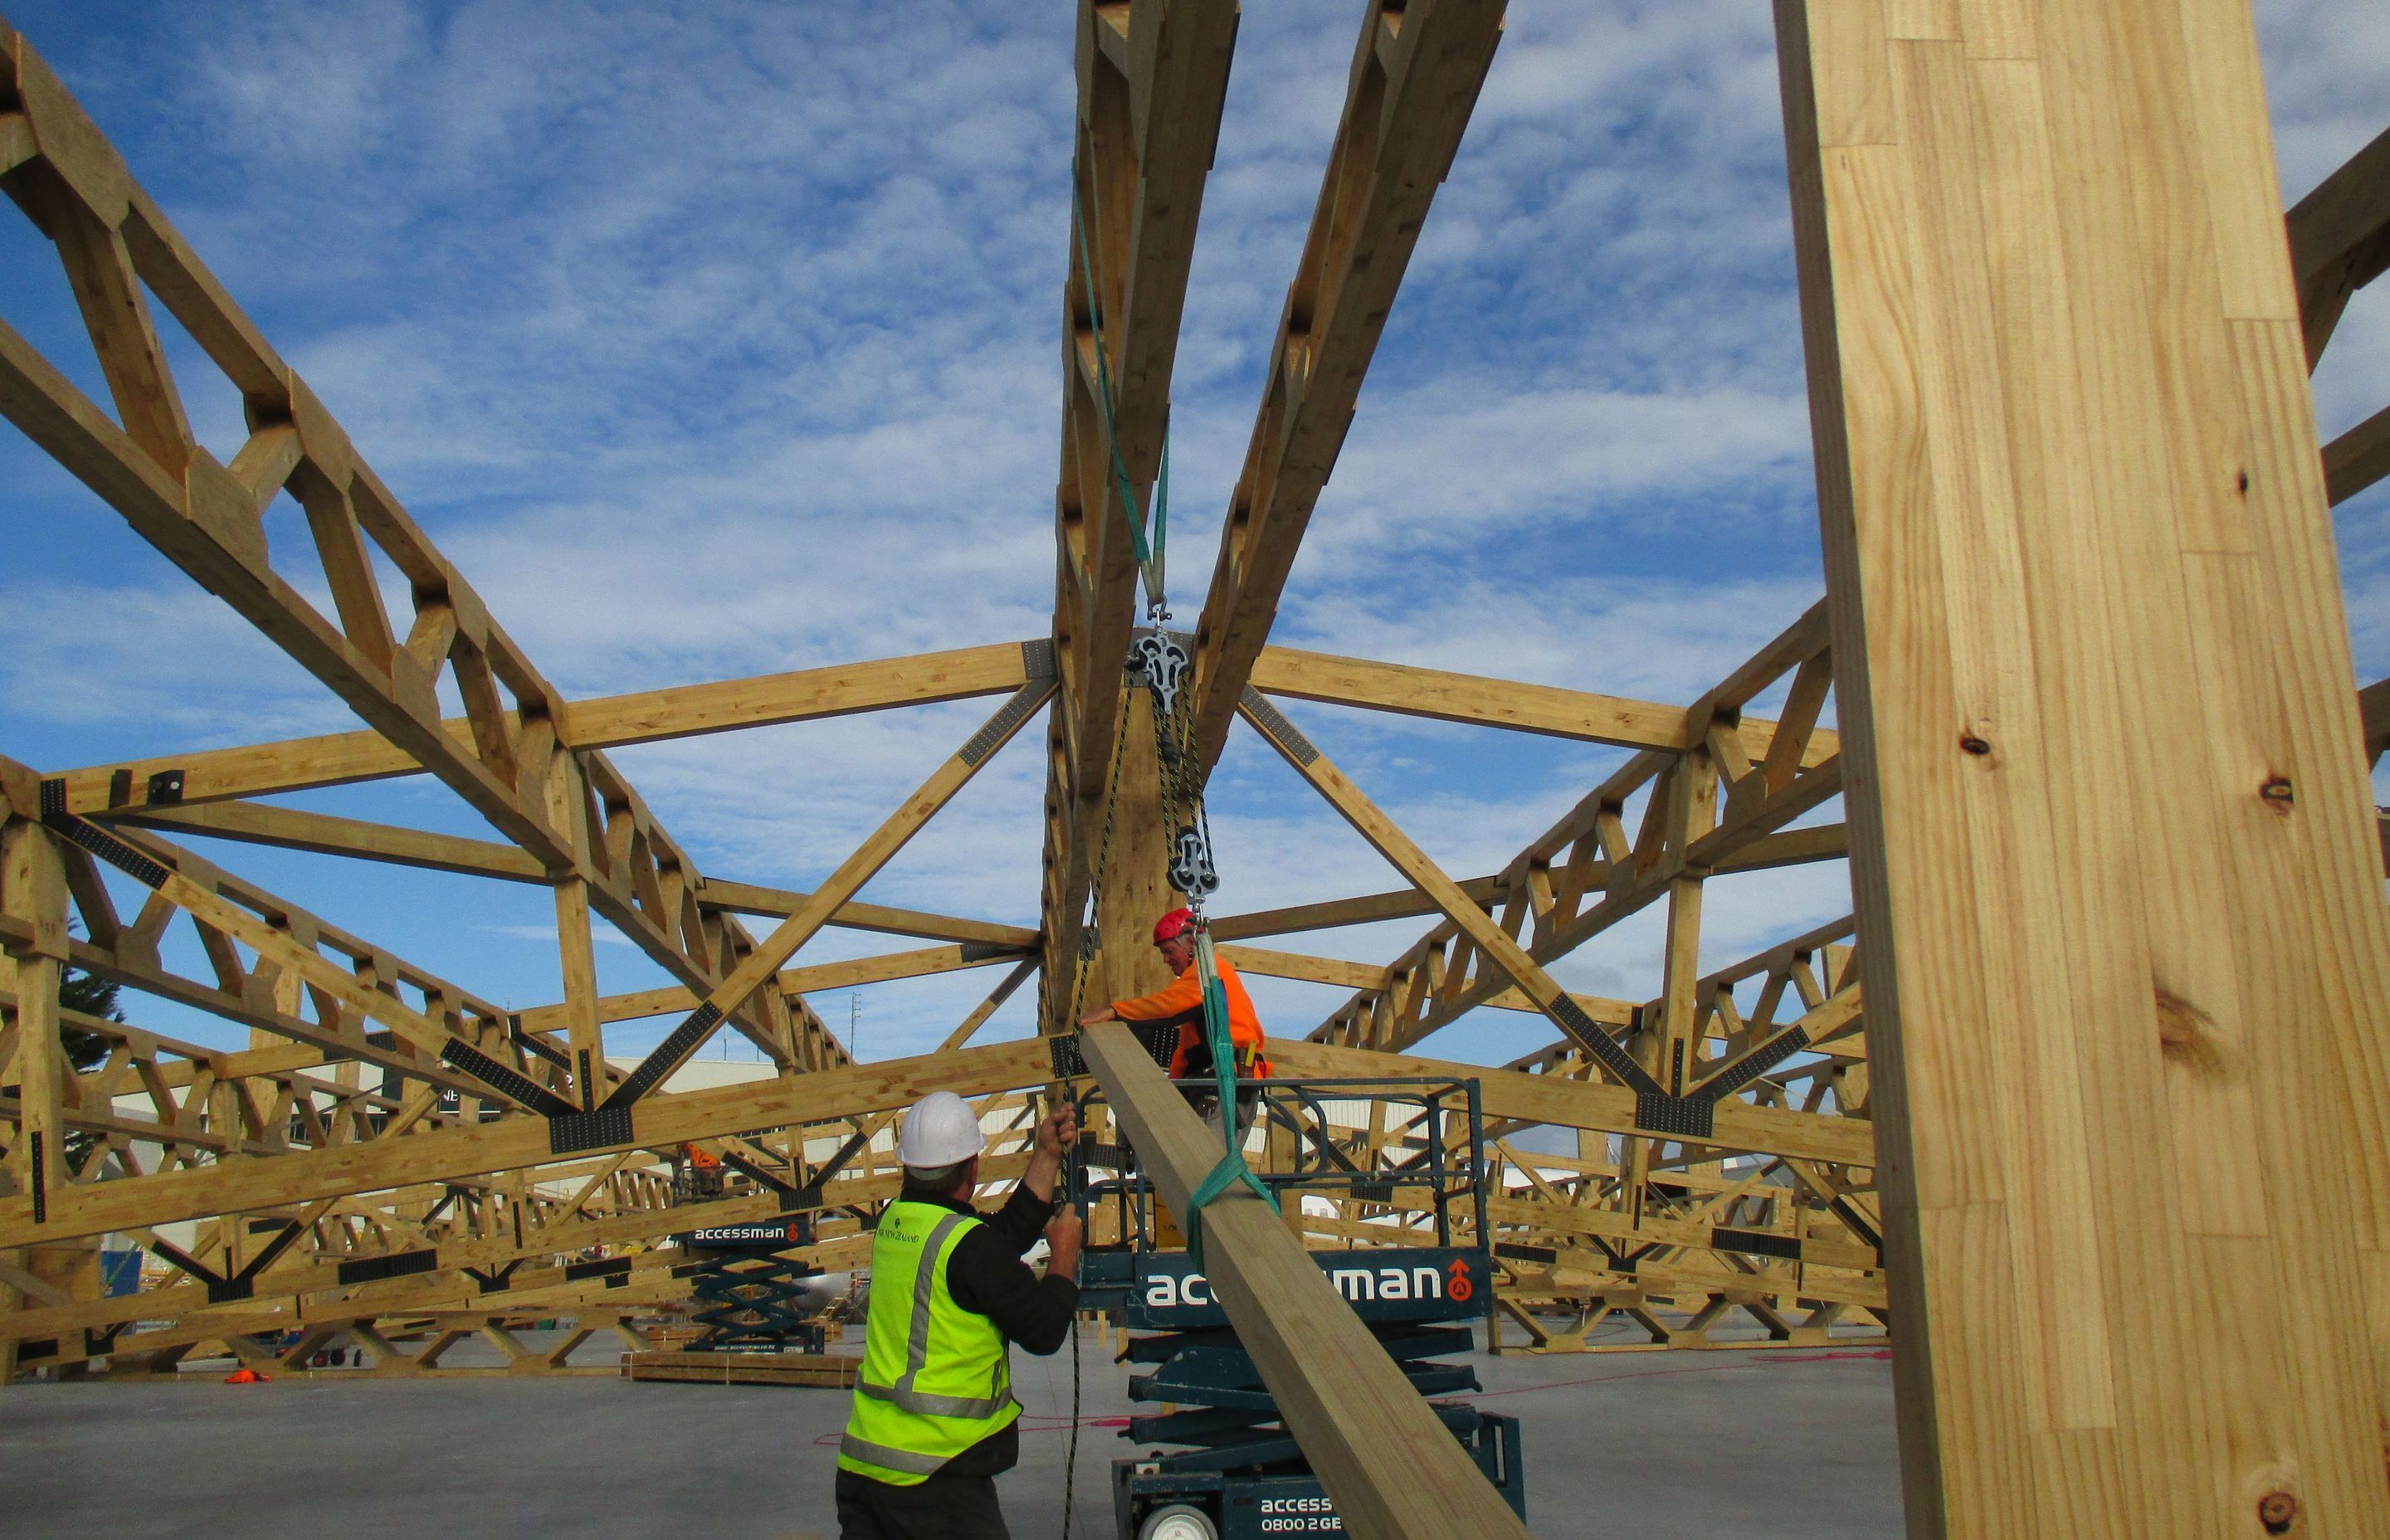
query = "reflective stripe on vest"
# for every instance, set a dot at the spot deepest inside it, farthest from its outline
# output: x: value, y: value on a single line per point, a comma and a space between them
x: 926, y: 1281
x: 894, y: 1459
x: 898, y: 1431
x: 933, y: 1405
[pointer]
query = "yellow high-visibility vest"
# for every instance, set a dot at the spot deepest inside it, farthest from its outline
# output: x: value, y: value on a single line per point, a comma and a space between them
x: 936, y: 1378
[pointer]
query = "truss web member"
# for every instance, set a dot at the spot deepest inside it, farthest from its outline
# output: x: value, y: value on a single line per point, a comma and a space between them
x: 1181, y: 1004
x: 933, y: 1416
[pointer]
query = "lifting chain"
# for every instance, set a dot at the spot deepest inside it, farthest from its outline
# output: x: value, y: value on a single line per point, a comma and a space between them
x: 1091, y: 938
x: 1165, y: 663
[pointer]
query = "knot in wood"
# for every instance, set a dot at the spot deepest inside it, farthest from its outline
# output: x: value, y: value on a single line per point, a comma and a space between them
x: 2277, y: 790
x: 1970, y: 743
x: 2276, y: 1511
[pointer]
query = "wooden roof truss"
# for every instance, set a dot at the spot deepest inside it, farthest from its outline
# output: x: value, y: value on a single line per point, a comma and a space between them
x: 2119, y: 939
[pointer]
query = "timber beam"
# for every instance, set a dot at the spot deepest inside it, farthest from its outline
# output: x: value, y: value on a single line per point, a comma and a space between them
x: 1393, y: 1469
x: 1417, y: 69
x: 1589, y: 871
x: 2071, y: 499
x: 326, y: 834
x: 1563, y: 1102
x: 2340, y: 240
x: 1579, y: 715
x: 1151, y: 79
x: 1489, y: 940
x: 601, y: 1124
x: 168, y: 782
x: 377, y: 1283
x: 923, y: 963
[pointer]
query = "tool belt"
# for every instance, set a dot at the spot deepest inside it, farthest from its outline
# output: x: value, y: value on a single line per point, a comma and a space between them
x: 1251, y: 1065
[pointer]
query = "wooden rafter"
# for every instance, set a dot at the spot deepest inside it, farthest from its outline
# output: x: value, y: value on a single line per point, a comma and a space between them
x: 206, y: 517
x: 1151, y: 77
x: 1544, y: 708
x: 1415, y: 73
x: 1588, y: 872
x: 291, y: 828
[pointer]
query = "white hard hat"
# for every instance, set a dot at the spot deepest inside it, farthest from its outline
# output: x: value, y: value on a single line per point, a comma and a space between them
x: 941, y: 1129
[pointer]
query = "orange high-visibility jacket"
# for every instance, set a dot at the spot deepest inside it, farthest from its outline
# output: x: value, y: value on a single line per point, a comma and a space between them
x: 1182, y: 1003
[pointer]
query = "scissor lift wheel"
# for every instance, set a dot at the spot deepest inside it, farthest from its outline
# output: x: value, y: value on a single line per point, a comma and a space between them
x: 1178, y: 1522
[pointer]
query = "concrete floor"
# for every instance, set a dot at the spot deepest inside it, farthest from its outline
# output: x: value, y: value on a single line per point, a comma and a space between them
x: 1712, y: 1445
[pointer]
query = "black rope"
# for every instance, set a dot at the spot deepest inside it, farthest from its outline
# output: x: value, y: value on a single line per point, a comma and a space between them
x: 1071, y: 1466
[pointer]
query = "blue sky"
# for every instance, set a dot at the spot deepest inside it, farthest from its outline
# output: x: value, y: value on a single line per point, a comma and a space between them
x: 719, y: 339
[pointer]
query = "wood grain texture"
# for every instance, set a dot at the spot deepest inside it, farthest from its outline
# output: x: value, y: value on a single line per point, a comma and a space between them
x: 2124, y: 938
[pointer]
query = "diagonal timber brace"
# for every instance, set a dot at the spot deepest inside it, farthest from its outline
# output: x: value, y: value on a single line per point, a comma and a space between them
x: 1392, y: 1468
x: 609, y: 1124
x: 151, y: 867
x: 514, y: 1143
x: 204, y: 516
x: 1542, y: 990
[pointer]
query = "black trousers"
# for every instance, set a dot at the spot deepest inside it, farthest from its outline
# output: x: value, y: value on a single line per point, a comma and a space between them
x: 943, y: 1508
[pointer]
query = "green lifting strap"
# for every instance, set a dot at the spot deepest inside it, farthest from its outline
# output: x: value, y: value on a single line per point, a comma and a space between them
x: 1160, y: 521
x: 1231, y: 1171
x: 1148, y: 556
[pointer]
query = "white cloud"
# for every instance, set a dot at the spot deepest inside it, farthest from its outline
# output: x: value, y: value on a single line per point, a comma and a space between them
x: 170, y: 666
x: 724, y: 341
x: 1664, y: 641
x: 1417, y: 479
x: 599, y: 933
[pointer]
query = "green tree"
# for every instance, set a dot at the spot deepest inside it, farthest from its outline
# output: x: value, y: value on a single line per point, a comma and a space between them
x: 93, y: 995
x: 85, y: 1050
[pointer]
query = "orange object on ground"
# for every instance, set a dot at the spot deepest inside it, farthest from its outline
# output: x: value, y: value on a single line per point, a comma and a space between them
x: 699, y: 1160
x: 1182, y: 1002
x: 246, y: 1377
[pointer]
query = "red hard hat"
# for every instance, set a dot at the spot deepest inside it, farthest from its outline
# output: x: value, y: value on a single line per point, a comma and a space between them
x: 1177, y: 922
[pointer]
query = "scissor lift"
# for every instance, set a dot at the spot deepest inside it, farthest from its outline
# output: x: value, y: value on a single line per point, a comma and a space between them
x: 1219, y: 1461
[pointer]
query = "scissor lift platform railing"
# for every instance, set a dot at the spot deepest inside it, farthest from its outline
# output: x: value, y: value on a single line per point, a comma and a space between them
x: 1219, y: 1459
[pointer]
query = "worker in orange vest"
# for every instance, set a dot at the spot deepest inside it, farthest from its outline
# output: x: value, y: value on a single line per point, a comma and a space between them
x: 1181, y: 1004
x: 704, y: 1173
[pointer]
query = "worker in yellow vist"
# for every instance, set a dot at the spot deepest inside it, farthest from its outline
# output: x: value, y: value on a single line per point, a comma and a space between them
x: 1181, y: 1004
x: 933, y: 1420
